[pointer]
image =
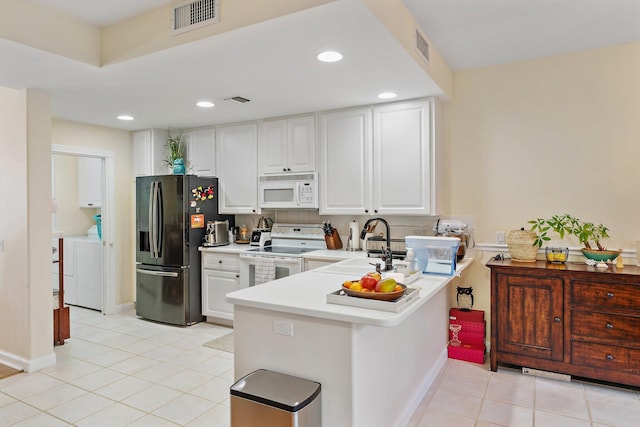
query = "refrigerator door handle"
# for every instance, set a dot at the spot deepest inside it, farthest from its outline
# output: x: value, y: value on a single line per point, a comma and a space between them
x: 152, y: 231
x: 157, y: 273
x: 155, y: 219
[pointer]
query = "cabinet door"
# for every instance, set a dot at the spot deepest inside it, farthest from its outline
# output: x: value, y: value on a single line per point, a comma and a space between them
x: 402, y: 178
x: 89, y: 274
x: 216, y: 284
x: 301, y: 144
x: 142, y: 153
x: 201, y: 155
x: 148, y: 152
x: 272, y: 146
x: 345, y: 158
x: 89, y: 182
x: 530, y: 316
x: 237, y: 165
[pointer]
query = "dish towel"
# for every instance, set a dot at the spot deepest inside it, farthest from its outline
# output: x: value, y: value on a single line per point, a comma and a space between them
x: 265, y: 270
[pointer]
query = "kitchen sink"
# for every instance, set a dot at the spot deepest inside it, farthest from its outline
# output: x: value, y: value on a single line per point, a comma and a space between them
x: 356, y: 267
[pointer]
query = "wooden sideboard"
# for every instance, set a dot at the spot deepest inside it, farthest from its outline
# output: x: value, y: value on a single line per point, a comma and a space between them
x: 567, y: 318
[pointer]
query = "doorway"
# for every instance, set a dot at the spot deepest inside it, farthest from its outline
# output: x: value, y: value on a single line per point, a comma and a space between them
x: 106, y: 257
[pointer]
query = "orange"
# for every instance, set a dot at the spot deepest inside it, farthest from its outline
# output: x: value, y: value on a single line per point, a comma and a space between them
x: 398, y: 288
x: 347, y: 284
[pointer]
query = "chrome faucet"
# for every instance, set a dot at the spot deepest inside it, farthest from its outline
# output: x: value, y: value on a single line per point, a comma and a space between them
x: 386, y: 257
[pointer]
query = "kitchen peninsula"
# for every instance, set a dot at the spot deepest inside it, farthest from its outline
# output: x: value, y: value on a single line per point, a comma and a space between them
x: 374, y: 366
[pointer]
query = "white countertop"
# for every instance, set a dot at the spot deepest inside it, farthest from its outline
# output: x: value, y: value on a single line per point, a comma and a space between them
x: 233, y: 248
x: 306, y: 294
x: 320, y: 254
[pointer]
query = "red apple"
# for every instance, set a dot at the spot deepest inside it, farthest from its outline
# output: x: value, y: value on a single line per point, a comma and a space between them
x: 368, y: 282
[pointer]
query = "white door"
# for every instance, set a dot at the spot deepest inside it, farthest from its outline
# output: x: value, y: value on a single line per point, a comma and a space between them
x: 345, y: 162
x: 237, y: 165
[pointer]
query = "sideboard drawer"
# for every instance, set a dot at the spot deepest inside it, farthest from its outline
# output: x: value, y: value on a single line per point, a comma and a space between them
x: 607, y: 295
x: 604, y: 356
x: 604, y: 326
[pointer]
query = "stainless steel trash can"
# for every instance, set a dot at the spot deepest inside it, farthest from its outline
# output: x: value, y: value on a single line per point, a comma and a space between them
x: 271, y: 399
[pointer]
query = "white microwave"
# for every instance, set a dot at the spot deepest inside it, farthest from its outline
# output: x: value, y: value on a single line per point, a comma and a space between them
x: 286, y: 191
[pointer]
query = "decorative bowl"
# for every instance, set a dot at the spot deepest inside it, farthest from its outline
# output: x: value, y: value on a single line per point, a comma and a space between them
x: 382, y: 296
x: 556, y: 255
x: 600, y: 255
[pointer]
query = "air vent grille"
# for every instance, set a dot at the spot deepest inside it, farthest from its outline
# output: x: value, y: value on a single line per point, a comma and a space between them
x: 237, y: 100
x: 195, y: 14
x: 422, y: 46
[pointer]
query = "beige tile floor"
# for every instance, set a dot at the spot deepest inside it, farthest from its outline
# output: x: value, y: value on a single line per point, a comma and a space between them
x: 122, y: 371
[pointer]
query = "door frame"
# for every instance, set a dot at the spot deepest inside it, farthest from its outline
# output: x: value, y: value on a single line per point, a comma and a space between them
x: 108, y: 217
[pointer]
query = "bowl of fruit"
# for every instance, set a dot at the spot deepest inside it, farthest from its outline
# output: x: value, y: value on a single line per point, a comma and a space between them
x: 373, y: 286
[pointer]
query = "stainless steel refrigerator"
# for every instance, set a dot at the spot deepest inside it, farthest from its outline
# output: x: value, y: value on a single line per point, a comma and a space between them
x: 171, y: 216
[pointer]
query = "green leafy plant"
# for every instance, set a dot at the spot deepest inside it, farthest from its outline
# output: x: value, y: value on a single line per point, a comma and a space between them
x: 175, y: 147
x: 569, y: 225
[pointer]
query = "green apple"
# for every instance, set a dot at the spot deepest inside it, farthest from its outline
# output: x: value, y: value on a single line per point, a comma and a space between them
x: 386, y: 285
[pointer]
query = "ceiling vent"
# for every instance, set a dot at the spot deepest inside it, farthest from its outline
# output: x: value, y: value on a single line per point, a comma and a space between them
x: 195, y: 14
x: 422, y: 46
x: 237, y: 100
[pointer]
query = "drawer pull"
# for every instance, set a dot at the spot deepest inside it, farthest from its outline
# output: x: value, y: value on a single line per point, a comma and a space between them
x: 609, y: 294
x: 609, y: 356
x: 219, y: 261
x: 556, y: 319
x: 609, y: 326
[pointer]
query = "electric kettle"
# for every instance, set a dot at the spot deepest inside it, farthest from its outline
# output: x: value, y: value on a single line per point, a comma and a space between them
x: 265, y: 223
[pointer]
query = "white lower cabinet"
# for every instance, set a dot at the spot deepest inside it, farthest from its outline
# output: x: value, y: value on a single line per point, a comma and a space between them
x: 220, y: 275
x: 312, y: 264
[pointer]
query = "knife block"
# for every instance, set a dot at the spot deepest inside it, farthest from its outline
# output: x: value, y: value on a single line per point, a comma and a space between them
x: 333, y: 240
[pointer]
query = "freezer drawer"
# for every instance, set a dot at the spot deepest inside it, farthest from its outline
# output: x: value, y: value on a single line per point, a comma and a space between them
x: 162, y: 294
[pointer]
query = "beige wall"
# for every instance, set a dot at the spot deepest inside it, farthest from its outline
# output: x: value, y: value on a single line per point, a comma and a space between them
x: 26, y: 338
x: 119, y: 142
x: 546, y: 137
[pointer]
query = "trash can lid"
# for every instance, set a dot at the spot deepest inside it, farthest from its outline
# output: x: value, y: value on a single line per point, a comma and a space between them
x: 282, y: 391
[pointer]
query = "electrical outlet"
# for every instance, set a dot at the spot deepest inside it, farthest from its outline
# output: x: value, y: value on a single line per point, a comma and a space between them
x: 500, y: 239
x: 282, y: 327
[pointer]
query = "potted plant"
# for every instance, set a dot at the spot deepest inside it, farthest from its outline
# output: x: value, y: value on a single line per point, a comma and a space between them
x: 586, y: 232
x: 175, y: 149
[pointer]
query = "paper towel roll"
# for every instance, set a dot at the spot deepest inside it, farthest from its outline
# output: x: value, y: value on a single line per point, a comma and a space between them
x: 354, y: 232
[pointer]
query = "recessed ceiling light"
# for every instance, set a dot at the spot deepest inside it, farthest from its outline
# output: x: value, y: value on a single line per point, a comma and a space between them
x: 205, y: 104
x: 329, y: 56
x: 387, y: 95
x: 125, y: 117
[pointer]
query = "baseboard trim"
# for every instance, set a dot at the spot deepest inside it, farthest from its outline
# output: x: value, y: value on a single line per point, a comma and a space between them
x: 27, y: 365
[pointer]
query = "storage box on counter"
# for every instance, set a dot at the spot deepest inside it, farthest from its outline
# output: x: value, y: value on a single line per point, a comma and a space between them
x: 434, y: 255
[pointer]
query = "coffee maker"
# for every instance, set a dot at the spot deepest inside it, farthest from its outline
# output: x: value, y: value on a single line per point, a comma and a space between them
x: 454, y: 228
x: 217, y: 233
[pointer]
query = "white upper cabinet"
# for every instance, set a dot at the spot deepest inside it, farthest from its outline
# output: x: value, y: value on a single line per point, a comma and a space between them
x: 287, y: 145
x: 201, y: 152
x: 345, y: 157
x: 89, y: 182
x: 402, y: 159
x: 148, y: 152
x: 376, y: 161
x: 237, y: 167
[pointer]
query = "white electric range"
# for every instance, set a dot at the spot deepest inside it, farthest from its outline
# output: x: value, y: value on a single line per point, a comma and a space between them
x: 284, y: 256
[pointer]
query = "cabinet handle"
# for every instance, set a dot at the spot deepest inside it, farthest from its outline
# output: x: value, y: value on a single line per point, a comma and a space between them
x: 219, y: 261
x: 609, y: 294
x: 609, y: 356
x: 366, y: 211
x: 284, y: 169
x: 237, y: 276
x: 609, y: 326
x: 556, y: 319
